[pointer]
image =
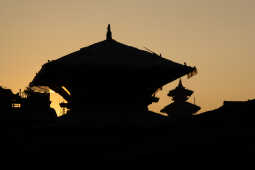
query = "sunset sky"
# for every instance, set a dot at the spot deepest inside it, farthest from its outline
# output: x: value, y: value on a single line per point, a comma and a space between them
x: 216, y: 36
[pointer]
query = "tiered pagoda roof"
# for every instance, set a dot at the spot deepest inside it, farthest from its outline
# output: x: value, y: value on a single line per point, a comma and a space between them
x: 109, y: 72
x: 180, y: 93
x: 180, y: 108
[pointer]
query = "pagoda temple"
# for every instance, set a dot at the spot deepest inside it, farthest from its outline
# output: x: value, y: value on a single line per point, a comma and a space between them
x: 180, y: 108
x: 109, y: 77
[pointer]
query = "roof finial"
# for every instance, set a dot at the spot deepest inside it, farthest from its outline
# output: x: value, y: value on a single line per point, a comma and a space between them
x: 109, y: 33
x: 180, y: 83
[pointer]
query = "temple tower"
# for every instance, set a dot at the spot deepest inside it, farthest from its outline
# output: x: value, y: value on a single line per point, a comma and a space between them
x: 180, y: 108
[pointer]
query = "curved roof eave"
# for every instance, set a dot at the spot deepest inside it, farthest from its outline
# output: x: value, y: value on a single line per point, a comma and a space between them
x: 110, y: 54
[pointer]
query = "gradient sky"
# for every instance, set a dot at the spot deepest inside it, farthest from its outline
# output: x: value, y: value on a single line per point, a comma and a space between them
x: 217, y: 36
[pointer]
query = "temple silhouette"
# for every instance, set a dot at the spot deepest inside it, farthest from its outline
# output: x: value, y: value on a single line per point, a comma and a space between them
x: 109, y: 82
x: 180, y: 109
x: 108, y: 87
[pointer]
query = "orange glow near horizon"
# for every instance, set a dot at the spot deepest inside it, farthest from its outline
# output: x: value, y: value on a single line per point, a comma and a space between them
x: 56, y: 99
x: 215, y: 36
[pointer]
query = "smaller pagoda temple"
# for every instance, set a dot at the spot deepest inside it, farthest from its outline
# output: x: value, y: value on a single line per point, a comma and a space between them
x: 180, y: 108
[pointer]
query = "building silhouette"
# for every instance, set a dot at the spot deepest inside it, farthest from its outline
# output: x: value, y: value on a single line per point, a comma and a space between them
x: 7, y: 99
x: 180, y: 108
x: 36, y: 107
x: 232, y: 114
x: 107, y: 83
x: 108, y: 80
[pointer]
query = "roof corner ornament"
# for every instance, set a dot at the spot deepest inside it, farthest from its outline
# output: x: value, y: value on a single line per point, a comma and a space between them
x: 109, y: 33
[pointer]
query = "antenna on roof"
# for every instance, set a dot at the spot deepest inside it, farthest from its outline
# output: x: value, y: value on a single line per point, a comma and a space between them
x: 109, y: 33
